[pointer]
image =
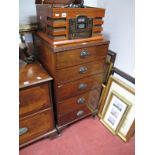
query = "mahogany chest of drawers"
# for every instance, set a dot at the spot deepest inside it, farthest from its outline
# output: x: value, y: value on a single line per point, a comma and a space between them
x: 78, y: 71
x: 36, y: 119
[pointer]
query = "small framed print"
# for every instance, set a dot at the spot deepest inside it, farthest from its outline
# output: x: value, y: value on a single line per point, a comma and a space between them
x: 126, y: 127
x: 117, y: 108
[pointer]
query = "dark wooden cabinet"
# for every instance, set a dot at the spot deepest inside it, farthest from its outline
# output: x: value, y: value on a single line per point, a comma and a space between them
x: 78, y: 71
x: 36, y: 118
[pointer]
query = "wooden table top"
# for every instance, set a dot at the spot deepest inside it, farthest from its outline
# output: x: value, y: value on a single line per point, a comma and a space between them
x: 31, y: 74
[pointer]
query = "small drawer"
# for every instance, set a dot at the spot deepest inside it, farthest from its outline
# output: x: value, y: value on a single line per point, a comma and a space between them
x: 80, y: 71
x: 73, y: 116
x: 34, y: 98
x: 80, y: 56
x: 36, y: 125
x: 80, y: 101
x: 77, y: 87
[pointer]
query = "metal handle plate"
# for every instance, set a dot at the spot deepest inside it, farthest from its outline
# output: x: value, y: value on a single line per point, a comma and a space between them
x: 81, y: 100
x: 83, y: 70
x: 84, y: 54
x: 80, y: 113
x: 22, y: 131
x: 82, y: 86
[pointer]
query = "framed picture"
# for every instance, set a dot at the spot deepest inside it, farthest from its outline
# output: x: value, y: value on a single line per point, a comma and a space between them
x: 110, y: 60
x: 126, y: 128
x: 116, y: 108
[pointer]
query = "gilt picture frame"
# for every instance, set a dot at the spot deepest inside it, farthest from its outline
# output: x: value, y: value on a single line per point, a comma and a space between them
x: 116, y: 109
x: 127, y: 127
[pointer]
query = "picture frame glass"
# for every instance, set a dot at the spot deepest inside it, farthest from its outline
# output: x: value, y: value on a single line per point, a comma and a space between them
x: 115, y: 111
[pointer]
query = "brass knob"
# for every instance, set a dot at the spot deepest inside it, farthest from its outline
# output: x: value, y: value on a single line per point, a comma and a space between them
x: 82, y: 86
x: 80, y: 113
x: 23, y: 131
x: 81, y: 100
x: 83, y: 70
x: 84, y: 54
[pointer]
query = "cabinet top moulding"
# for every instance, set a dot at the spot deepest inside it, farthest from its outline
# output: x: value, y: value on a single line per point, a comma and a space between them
x: 72, y: 44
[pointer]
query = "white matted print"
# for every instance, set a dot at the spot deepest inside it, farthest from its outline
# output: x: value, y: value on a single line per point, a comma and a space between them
x: 113, y: 114
x: 128, y: 92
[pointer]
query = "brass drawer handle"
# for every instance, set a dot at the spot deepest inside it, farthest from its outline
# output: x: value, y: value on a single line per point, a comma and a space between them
x: 83, y: 70
x: 84, y: 54
x: 82, y: 86
x: 23, y: 131
x: 81, y: 100
x: 80, y: 113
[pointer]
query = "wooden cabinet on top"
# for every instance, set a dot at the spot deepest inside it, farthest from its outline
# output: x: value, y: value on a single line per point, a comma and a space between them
x: 36, y: 119
x: 77, y: 67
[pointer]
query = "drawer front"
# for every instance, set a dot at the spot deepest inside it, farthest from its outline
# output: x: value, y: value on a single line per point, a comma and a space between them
x: 80, y: 56
x: 74, y: 115
x: 36, y: 125
x: 80, y: 101
x: 34, y: 98
x: 80, y: 71
x: 78, y: 87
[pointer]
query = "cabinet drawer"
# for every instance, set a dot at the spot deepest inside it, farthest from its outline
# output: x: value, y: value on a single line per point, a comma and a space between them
x: 80, y: 101
x: 34, y: 98
x: 36, y: 125
x: 80, y: 71
x: 74, y: 115
x: 80, y: 56
x: 79, y: 86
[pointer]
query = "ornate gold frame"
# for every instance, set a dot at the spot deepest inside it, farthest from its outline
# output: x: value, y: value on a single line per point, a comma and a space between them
x: 105, y: 93
x: 28, y: 28
x: 125, y: 101
x: 103, y: 100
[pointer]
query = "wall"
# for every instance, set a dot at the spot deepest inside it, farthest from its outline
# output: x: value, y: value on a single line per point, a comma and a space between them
x: 92, y: 3
x: 27, y: 11
x: 119, y: 29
